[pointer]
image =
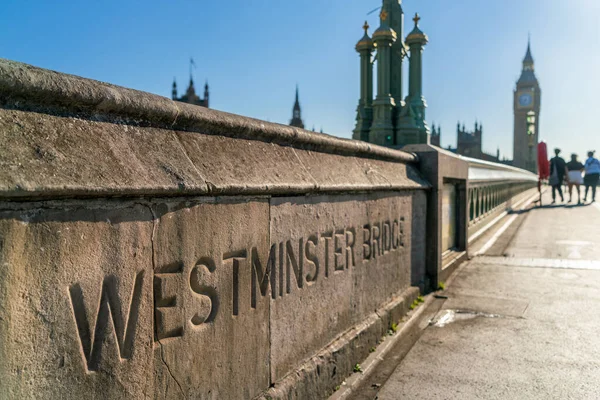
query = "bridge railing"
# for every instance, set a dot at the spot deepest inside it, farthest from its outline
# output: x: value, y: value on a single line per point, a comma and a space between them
x: 467, y: 197
x: 492, y: 189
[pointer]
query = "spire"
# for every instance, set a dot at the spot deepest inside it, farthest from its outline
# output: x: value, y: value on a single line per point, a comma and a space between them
x: 191, y: 91
x: 206, y: 93
x: 192, y: 64
x: 528, y: 60
x: 296, y: 113
x: 528, y: 78
x: 297, y: 104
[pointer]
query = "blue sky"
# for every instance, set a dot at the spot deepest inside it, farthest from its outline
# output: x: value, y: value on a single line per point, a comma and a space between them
x: 254, y: 52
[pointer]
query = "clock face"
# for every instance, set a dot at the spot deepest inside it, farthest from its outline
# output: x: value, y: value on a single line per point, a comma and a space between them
x: 525, y: 100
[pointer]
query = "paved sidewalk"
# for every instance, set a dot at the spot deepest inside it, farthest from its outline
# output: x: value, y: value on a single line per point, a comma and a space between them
x: 520, y: 323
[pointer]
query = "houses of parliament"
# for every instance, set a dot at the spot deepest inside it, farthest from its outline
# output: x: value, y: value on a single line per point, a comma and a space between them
x: 391, y: 119
x: 191, y: 97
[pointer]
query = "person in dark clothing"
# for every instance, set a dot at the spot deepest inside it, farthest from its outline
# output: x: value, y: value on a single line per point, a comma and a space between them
x: 558, y: 170
x: 592, y: 174
x: 575, y: 176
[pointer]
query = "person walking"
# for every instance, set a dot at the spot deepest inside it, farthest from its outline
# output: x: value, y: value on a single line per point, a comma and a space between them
x: 575, y: 176
x: 592, y: 174
x: 558, y: 170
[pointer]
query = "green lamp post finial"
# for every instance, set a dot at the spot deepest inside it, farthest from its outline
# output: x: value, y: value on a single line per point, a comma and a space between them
x: 417, y: 18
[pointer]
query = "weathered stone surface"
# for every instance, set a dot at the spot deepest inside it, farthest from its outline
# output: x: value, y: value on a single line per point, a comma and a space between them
x: 418, y: 238
x: 76, y: 302
x: 241, y: 165
x: 212, y: 322
x: 318, y: 376
x: 442, y: 167
x: 47, y: 155
x: 30, y: 88
x: 68, y: 136
x: 50, y: 156
x: 339, y: 258
x: 123, y: 276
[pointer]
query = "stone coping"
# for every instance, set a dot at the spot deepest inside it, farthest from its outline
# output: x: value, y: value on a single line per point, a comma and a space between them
x: 26, y: 87
x: 481, y: 171
x: 482, y: 164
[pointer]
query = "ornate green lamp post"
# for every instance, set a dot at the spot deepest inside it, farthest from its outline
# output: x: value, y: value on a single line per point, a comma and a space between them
x: 411, y: 121
x: 364, y: 111
x: 416, y: 40
x: 531, y: 136
x: 382, y: 130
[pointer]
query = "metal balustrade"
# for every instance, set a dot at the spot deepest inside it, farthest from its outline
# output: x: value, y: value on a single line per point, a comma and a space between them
x: 492, y: 188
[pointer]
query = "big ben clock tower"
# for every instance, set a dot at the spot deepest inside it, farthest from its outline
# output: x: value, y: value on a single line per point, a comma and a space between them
x: 527, y: 102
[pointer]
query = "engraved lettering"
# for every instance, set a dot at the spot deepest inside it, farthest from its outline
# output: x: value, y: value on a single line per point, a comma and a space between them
x: 236, y: 257
x: 327, y: 236
x: 395, y: 233
x: 110, y: 307
x: 401, y: 234
x: 339, y: 245
x: 387, y: 237
x: 297, y: 265
x: 200, y: 283
x: 375, y: 242
x: 167, y: 285
x: 284, y: 263
x: 366, y: 243
x: 350, y: 239
x: 281, y: 262
x: 311, y: 257
x: 257, y: 274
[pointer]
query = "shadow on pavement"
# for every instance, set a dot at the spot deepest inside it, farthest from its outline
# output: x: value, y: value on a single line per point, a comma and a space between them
x: 548, y: 207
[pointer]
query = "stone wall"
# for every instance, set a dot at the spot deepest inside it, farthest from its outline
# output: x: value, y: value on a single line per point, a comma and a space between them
x: 153, y: 249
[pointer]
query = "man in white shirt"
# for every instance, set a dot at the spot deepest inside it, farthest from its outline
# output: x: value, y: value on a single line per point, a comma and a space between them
x: 592, y: 174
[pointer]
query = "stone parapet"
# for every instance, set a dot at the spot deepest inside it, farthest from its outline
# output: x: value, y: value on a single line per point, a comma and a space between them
x: 153, y: 249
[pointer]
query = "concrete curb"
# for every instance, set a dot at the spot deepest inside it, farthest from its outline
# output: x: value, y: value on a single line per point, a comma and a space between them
x: 410, y: 331
x: 368, y: 366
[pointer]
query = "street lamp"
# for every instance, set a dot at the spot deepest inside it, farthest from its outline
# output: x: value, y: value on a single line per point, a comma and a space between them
x: 531, y: 135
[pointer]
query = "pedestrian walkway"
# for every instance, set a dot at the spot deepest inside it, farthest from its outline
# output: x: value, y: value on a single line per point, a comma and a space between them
x: 521, y: 320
